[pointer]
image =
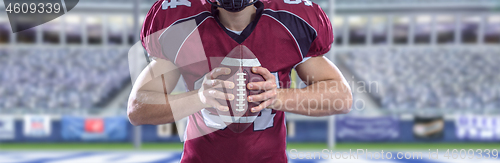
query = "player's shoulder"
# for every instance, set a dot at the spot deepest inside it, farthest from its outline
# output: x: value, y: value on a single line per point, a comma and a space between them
x: 301, y: 8
x: 168, y: 12
x: 293, y: 11
x: 165, y: 14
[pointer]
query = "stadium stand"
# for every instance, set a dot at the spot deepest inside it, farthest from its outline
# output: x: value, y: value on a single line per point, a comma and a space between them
x: 79, y: 69
x: 394, y: 4
x: 426, y: 78
x: 43, y: 79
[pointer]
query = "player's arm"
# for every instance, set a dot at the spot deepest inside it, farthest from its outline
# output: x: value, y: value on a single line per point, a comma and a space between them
x: 151, y: 102
x: 326, y: 93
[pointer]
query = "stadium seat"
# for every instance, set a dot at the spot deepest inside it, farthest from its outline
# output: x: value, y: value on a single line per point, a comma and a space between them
x: 412, y: 78
x: 66, y: 78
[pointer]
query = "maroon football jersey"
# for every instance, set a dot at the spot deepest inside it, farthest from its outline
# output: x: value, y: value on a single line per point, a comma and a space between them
x: 283, y: 34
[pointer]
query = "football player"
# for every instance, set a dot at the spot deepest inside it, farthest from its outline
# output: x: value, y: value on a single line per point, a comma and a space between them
x: 188, y: 38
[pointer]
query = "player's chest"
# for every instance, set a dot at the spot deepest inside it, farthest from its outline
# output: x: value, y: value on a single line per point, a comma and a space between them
x: 270, y: 43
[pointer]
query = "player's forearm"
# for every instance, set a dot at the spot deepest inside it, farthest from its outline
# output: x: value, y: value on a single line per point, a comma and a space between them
x: 147, y: 107
x: 319, y: 99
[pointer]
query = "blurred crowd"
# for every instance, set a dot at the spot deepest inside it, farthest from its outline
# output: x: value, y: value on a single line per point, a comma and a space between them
x: 60, y: 78
x: 429, y: 78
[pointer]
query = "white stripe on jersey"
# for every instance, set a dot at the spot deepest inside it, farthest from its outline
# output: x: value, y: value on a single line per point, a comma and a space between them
x: 240, y: 62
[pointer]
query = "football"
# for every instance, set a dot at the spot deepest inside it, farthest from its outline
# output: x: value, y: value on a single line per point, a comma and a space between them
x: 240, y: 60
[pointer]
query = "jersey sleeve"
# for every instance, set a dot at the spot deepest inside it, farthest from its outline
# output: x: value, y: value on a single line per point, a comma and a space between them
x: 150, y: 32
x: 324, y: 39
x: 162, y: 16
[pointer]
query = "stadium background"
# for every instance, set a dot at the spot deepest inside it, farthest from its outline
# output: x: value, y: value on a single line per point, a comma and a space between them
x: 424, y: 75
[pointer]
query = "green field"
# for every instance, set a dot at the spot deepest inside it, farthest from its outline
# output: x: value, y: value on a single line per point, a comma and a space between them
x: 307, y: 146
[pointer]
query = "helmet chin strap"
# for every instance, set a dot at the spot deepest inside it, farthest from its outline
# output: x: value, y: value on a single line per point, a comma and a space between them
x: 233, y: 5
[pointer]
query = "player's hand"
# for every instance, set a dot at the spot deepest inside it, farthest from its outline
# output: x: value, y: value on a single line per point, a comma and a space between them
x: 268, y: 97
x: 208, y: 93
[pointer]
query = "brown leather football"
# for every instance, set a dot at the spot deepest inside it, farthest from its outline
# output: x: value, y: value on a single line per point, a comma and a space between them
x: 240, y: 60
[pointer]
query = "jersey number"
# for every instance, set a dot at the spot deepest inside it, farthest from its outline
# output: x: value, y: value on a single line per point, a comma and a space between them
x: 306, y: 2
x: 264, y: 121
x: 174, y: 3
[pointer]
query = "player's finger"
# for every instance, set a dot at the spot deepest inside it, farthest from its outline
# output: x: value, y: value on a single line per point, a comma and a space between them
x: 263, y: 96
x: 225, y: 84
x: 264, y: 72
x: 211, y: 83
x: 218, y: 94
x: 262, y: 106
x: 218, y: 72
x: 217, y: 105
x: 263, y: 85
x: 216, y: 83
